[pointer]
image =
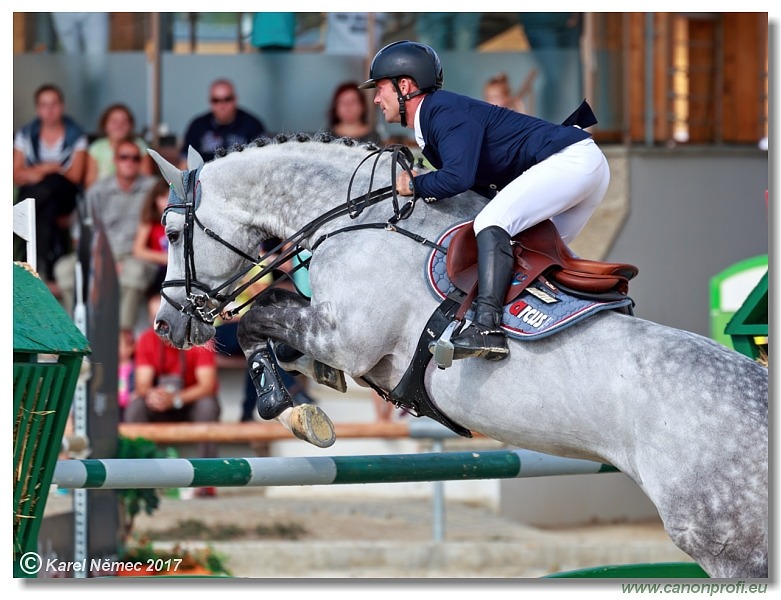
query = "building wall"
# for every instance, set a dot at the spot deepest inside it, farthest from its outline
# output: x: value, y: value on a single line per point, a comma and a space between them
x: 692, y: 213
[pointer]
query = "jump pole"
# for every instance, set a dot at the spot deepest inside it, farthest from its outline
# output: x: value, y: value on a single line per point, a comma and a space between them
x: 141, y: 473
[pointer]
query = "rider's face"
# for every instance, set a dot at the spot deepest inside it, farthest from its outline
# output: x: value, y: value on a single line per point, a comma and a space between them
x: 388, y: 100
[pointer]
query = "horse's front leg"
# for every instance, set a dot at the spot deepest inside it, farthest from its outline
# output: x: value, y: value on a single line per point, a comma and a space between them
x: 274, y: 401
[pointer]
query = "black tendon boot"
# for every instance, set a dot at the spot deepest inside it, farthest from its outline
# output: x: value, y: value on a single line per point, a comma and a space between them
x: 273, y: 397
x: 483, y: 338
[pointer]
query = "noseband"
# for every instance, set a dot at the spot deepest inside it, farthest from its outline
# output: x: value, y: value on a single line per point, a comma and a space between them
x: 205, y: 303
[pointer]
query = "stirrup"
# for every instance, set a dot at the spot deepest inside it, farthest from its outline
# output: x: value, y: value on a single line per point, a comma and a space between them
x: 273, y: 397
x: 483, y: 346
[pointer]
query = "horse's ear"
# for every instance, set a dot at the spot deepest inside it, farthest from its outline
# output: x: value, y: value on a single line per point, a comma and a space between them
x: 194, y: 160
x: 170, y: 173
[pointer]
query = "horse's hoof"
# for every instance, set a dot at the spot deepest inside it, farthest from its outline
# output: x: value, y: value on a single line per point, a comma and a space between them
x: 312, y: 425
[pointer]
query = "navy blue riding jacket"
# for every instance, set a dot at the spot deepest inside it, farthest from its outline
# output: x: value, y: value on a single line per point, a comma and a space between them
x: 478, y: 146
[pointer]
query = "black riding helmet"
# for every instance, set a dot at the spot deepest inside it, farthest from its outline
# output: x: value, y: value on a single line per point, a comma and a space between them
x: 406, y: 59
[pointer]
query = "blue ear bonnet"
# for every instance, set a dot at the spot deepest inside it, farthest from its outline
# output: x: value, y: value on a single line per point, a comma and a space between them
x: 192, y: 194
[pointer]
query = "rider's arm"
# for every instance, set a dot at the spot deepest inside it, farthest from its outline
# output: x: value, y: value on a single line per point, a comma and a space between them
x: 458, y: 139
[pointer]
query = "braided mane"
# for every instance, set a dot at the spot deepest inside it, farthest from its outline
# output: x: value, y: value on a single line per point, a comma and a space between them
x: 322, y: 137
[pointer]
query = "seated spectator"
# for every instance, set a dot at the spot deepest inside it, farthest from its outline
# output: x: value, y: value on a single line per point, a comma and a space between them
x: 49, y: 158
x: 151, y: 243
x: 448, y: 30
x: 224, y: 126
x: 348, y: 115
x: 497, y: 91
x: 116, y: 123
x: 126, y: 371
x: 173, y: 385
x: 116, y: 202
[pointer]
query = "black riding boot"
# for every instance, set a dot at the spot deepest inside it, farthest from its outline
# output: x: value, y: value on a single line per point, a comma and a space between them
x: 483, y: 337
x: 273, y: 397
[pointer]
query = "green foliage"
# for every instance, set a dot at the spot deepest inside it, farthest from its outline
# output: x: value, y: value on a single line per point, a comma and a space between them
x: 133, y: 501
x: 208, y: 558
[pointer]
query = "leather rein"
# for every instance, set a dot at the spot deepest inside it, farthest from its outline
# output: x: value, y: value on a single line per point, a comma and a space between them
x: 205, y: 303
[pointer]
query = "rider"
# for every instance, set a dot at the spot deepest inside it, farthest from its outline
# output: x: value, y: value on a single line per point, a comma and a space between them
x: 531, y: 169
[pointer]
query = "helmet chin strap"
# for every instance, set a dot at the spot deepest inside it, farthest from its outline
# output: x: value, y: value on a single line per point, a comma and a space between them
x: 402, y: 100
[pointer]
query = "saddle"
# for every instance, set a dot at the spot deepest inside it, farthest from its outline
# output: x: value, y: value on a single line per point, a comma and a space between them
x: 539, y: 252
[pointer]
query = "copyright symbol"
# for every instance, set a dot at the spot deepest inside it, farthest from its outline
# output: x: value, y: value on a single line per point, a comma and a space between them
x: 30, y: 563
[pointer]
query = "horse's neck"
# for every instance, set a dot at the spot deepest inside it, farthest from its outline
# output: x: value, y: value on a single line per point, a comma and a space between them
x: 279, y: 190
x: 290, y: 193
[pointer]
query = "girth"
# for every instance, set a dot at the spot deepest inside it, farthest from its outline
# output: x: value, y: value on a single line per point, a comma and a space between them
x: 410, y: 392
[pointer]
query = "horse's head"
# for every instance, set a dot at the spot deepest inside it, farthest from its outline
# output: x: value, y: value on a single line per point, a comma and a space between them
x: 205, y: 251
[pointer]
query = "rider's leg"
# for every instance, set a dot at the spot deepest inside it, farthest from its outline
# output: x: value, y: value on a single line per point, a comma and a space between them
x: 483, y: 337
x: 566, y: 188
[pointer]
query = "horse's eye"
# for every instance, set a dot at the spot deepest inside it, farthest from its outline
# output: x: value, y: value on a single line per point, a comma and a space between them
x: 172, y: 236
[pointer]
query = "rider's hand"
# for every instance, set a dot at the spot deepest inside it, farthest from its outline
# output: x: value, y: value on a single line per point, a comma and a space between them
x: 402, y: 183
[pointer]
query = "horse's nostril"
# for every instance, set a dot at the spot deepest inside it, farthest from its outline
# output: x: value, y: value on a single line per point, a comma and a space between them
x: 162, y: 328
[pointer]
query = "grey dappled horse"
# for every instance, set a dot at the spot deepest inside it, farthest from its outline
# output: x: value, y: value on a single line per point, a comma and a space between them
x: 681, y: 415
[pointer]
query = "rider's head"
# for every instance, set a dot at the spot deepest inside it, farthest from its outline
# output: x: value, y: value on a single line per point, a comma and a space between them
x: 412, y: 60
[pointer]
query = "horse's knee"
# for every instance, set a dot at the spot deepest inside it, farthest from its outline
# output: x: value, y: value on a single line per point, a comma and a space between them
x: 285, y: 353
x: 248, y: 341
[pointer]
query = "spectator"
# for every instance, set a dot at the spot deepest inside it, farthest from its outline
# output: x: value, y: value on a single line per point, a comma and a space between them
x: 350, y: 33
x: 497, y: 91
x: 447, y: 30
x: 348, y: 115
x: 554, y: 39
x: 225, y: 125
x: 126, y: 379
x: 82, y: 32
x: 173, y: 385
x: 115, y: 124
x: 49, y: 157
x: 116, y: 202
x: 151, y: 243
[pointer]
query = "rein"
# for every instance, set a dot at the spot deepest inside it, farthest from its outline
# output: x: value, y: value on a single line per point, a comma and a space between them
x: 206, y: 304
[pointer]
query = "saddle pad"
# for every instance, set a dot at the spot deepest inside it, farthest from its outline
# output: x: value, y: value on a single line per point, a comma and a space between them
x: 541, y: 310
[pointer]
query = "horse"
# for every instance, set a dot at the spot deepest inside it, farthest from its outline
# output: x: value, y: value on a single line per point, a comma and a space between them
x: 684, y: 417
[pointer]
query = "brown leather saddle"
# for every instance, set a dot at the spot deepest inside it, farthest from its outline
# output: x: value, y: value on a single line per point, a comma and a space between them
x: 539, y: 252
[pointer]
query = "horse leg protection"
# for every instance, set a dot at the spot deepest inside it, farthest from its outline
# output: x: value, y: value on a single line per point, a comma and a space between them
x: 273, y: 397
x: 495, y: 266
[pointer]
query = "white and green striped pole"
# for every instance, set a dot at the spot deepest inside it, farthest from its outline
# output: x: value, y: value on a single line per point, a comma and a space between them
x: 129, y: 473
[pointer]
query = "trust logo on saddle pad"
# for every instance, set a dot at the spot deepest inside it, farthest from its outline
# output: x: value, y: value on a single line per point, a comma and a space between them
x: 539, y: 311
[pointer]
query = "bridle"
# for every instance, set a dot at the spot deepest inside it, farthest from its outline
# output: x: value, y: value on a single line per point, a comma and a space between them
x: 206, y: 303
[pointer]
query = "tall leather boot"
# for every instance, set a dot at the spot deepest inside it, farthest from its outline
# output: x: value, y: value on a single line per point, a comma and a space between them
x: 484, y: 338
x: 273, y: 397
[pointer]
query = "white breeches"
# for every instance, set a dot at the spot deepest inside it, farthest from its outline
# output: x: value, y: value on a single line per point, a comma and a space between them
x: 565, y: 188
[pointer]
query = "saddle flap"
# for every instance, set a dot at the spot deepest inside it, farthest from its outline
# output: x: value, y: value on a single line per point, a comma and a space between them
x: 461, y: 259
